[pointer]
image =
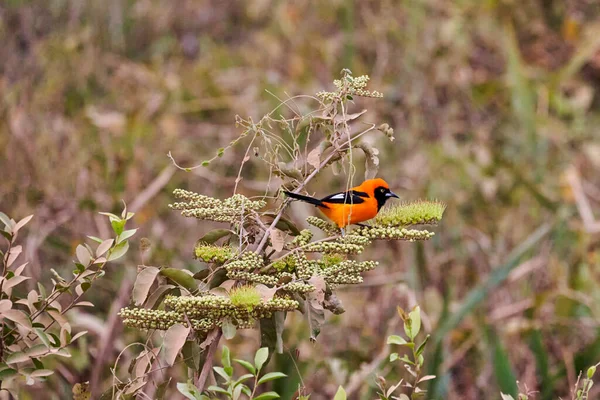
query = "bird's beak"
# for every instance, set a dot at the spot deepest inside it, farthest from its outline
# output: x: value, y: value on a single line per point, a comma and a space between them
x: 391, y: 194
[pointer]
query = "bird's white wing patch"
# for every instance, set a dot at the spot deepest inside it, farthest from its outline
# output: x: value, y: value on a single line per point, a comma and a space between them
x: 339, y: 196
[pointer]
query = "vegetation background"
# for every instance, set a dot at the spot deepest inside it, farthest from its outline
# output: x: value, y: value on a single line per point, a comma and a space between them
x: 496, y: 109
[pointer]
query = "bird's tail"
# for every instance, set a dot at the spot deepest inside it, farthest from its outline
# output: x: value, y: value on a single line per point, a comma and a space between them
x: 306, y: 199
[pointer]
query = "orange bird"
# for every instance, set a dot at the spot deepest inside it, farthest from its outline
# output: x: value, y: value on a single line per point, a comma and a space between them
x: 356, y: 205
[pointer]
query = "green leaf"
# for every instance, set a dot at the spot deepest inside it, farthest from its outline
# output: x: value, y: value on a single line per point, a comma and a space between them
x: 212, y: 236
x: 393, y: 357
x: 242, y: 378
x: 271, y: 376
x: 539, y: 350
x: 110, y: 215
x: 118, y: 251
x: 118, y: 224
x: 189, y: 390
x: 340, y: 394
x: 217, y: 389
x: 246, y: 365
x: 38, y: 364
x: 395, y: 339
x: 268, y: 333
x: 225, y: 358
x: 191, y: 354
x: 260, y: 357
x: 43, y: 337
x: 5, y: 220
x: 591, y: 371
x: 422, y: 346
x: 246, y: 390
x: 237, y: 392
x: 502, y: 369
x: 7, y: 373
x: 412, y: 325
x: 126, y: 235
x: 267, y: 396
x: 41, y: 372
x: 180, y: 277
x: 17, y: 357
x: 95, y: 239
x: 202, y: 273
x: 228, y: 328
x: 221, y: 371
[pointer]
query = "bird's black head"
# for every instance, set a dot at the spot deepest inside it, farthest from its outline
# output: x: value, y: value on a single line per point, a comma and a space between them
x: 383, y: 194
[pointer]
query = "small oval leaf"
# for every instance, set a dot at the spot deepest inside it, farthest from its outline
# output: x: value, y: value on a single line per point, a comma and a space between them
x: 271, y: 376
x: 180, y: 277
x: 142, y: 285
x: 260, y: 357
x: 174, y: 340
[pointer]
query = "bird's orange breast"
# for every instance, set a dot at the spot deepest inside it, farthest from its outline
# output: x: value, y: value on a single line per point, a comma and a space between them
x: 348, y: 214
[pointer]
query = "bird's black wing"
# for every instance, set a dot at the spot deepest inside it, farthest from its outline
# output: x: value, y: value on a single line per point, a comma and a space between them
x: 349, y: 197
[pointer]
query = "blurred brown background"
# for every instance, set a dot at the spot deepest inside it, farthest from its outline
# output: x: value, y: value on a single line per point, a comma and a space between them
x: 496, y: 110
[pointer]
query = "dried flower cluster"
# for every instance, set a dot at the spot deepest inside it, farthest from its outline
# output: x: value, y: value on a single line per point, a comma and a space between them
x: 243, y: 307
x: 211, y: 209
x: 349, y: 85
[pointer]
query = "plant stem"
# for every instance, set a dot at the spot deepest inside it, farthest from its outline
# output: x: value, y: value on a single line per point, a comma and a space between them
x: 207, y: 367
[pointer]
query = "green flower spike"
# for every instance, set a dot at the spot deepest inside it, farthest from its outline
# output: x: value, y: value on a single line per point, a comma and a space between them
x: 214, y: 254
x: 245, y: 297
x: 418, y: 212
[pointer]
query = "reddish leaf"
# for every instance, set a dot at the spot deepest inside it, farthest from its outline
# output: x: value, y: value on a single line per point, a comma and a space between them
x: 83, y: 255
x: 277, y: 239
x: 104, y: 247
x: 174, y: 340
x: 142, y: 285
x: 22, y: 223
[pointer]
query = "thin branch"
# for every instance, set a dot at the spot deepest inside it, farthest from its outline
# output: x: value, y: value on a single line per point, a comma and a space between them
x: 208, y: 363
x: 153, y: 188
x: 106, y: 340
